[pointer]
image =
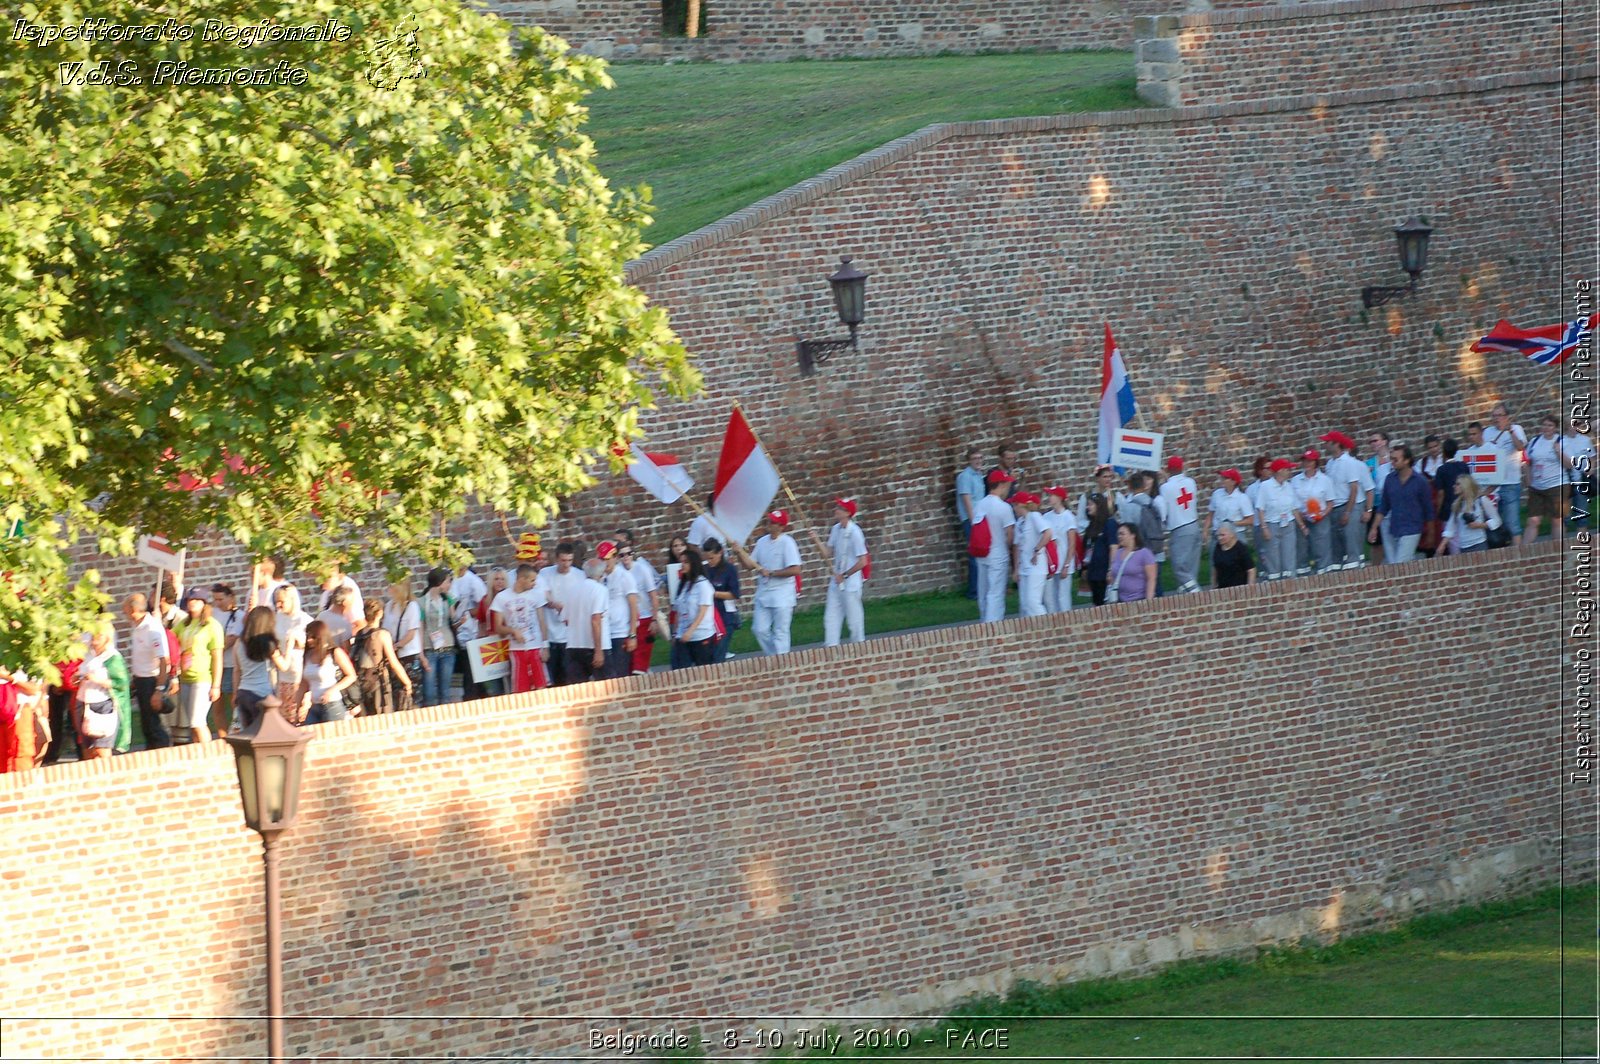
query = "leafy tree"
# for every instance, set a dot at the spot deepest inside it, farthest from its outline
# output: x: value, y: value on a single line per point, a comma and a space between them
x: 353, y: 304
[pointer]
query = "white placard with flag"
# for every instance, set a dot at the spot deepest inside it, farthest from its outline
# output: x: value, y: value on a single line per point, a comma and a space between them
x: 662, y: 475
x: 490, y: 658
x: 1132, y: 449
x: 156, y: 551
x: 747, y: 481
x: 1492, y: 467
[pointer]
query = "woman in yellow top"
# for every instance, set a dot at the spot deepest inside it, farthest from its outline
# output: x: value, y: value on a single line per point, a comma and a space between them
x: 198, y: 678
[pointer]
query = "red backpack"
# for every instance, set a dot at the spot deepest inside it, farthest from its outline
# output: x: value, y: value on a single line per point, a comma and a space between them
x: 980, y: 539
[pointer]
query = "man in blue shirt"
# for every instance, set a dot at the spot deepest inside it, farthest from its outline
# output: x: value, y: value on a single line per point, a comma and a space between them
x: 1407, y: 502
x: 969, y: 489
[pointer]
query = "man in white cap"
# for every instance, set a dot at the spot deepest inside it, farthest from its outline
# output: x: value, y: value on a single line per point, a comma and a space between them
x: 1314, y: 490
x: 1064, y: 535
x: 622, y: 612
x: 1352, y: 502
x: 1180, y: 513
x: 994, y: 567
x: 848, y: 547
x: 777, y: 564
x: 1033, y: 536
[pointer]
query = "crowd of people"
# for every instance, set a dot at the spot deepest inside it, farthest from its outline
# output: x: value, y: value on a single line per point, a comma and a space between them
x: 202, y: 662
x: 1326, y: 509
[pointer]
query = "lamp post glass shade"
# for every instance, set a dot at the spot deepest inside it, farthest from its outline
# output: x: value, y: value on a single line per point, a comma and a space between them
x: 849, y: 293
x: 270, y: 758
x: 1413, y: 241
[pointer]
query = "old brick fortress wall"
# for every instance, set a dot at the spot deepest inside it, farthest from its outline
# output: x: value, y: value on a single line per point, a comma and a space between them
x: 1337, y: 45
x: 763, y: 30
x: 881, y: 827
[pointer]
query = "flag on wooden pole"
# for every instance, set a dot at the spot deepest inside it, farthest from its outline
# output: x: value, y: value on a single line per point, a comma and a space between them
x: 747, y: 481
x: 662, y: 475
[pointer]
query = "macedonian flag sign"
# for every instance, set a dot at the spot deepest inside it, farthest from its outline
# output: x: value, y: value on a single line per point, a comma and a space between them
x: 490, y: 658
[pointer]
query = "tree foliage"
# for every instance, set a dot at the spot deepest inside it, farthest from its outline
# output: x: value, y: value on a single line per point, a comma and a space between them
x: 361, y: 301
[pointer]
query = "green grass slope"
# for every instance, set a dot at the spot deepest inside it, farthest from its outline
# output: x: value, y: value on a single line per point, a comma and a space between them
x: 710, y: 139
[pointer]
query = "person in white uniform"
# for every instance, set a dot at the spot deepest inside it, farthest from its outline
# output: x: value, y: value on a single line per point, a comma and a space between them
x: 1278, y: 507
x: 1064, y: 534
x: 848, y: 548
x: 994, y: 568
x: 1314, y: 489
x: 1180, y: 514
x: 777, y: 564
x: 703, y: 528
x: 1507, y: 437
x: 1032, y: 537
x: 1230, y: 504
x: 1352, y: 502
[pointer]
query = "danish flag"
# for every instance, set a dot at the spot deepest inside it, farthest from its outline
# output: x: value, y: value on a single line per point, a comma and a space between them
x: 1549, y: 346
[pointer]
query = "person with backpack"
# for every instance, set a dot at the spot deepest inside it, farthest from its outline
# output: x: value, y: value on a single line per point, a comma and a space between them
x: 993, y: 532
x: 1179, y: 509
x: 847, y: 546
x: 1140, y: 510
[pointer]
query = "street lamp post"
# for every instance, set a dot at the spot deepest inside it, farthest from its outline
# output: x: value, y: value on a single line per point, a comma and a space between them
x: 1412, y: 243
x: 850, y: 300
x: 270, y: 759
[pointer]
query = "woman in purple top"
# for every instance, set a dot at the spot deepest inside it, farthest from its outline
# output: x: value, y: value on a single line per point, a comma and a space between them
x: 1133, y: 568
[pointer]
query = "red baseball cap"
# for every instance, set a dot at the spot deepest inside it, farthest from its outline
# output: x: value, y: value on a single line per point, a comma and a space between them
x: 1231, y: 474
x: 1281, y: 463
x: 1340, y: 438
x: 1000, y: 476
x: 847, y: 505
x: 778, y: 517
x: 605, y: 550
x: 1174, y: 464
x: 1058, y: 492
x: 1311, y: 455
x: 1025, y: 497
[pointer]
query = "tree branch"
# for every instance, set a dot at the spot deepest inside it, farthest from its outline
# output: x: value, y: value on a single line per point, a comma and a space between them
x: 178, y: 347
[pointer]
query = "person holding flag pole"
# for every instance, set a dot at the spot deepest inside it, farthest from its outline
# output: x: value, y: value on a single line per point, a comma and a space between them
x: 777, y: 565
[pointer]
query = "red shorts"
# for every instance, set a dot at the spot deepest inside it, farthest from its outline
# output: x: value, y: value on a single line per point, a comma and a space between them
x: 527, y: 672
x: 643, y: 645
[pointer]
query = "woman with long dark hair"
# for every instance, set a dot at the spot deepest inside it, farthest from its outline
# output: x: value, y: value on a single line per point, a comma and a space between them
x: 697, y: 623
x: 1099, y: 540
x: 672, y: 572
x: 328, y: 672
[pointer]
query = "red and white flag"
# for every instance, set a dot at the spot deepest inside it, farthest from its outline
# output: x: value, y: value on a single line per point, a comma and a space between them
x: 747, y: 481
x: 662, y: 475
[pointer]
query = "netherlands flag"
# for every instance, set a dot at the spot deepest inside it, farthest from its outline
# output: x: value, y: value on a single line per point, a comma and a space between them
x: 1117, y: 406
x: 1549, y: 346
x: 1137, y: 445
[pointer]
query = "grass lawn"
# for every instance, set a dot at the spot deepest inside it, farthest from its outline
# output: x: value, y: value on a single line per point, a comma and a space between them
x: 711, y: 138
x: 1444, y: 986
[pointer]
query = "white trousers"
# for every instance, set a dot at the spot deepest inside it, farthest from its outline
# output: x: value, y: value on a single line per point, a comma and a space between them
x: 1058, y: 593
x: 842, y: 606
x: 1030, y: 595
x: 771, y: 626
x: 993, y: 574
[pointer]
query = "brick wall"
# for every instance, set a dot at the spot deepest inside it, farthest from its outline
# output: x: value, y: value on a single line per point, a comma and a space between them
x: 876, y: 829
x: 761, y: 31
x: 1226, y: 245
x: 1242, y: 54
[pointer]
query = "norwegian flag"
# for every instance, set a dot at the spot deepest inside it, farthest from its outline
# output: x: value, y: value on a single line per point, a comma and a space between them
x: 1481, y: 463
x: 1549, y: 346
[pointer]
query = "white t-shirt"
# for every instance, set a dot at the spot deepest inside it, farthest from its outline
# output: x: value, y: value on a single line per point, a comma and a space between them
x: 1276, y: 502
x: 1345, y: 470
x: 1578, y: 448
x: 847, y: 544
x: 558, y: 587
x: 619, y: 587
x: 1232, y: 506
x: 585, y: 599
x: 1545, y: 468
x: 354, y: 608
x: 400, y: 621
x: 1316, y: 486
x: 520, y: 610
x: 339, y: 628
x: 1031, y: 561
x: 1060, y: 524
x: 148, y: 646
x: 701, y: 530
x: 470, y: 590
x: 775, y: 554
x: 644, y: 581
x: 998, y: 513
x: 690, y: 598
x: 1505, y: 442
x: 1180, y: 498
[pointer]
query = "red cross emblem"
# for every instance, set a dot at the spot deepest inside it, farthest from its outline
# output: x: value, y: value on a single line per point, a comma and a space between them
x: 1185, y: 497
